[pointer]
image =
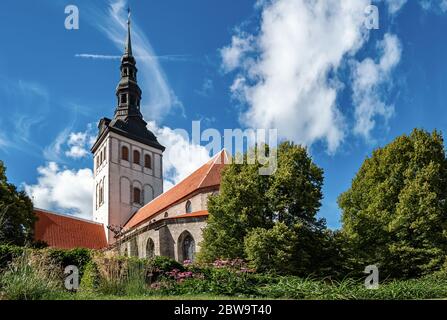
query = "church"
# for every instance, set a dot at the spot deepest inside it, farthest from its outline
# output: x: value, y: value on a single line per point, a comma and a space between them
x: 131, y: 213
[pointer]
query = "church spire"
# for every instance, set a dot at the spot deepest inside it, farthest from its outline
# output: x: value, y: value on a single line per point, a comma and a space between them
x: 128, y: 120
x: 128, y: 92
x: 129, y: 40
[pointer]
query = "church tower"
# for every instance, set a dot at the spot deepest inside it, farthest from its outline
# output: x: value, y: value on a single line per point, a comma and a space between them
x: 127, y: 156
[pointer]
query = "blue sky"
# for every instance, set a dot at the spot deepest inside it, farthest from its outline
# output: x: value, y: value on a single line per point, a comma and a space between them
x: 313, y: 71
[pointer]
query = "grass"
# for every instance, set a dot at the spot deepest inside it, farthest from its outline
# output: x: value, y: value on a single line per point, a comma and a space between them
x: 29, y: 278
x: 296, y: 288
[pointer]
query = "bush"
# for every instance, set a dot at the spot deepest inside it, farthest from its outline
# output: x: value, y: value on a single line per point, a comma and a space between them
x: 119, y: 275
x: 28, y: 278
x: 271, y: 249
x: 211, y: 281
x: 90, y: 279
x: 78, y: 257
x: 164, y: 264
x: 8, y: 253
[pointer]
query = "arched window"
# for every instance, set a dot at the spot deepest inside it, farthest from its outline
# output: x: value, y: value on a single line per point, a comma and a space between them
x: 125, y: 153
x: 101, y: 193
x: 150, y: 248
x: 147, y: 161
x: 186, y: 247
x: 136, y: 157
x: 188, y: 207
x: 166, y: 214
x: 133, y: 248
x: 137, y: 195
x: 97, y: 196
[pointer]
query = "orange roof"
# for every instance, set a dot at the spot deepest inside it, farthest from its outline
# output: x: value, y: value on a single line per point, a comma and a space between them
x: 207, y: 176
x: 203, y: 213
x: 66, y: 232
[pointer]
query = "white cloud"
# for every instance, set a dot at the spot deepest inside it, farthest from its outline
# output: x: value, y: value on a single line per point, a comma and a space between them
x: 63, y: 189
x: 235, y: 53
x: 181, y: 157
x: 79, y: 144
x: 289, y: 84
x: 158, y: 96
x: 53, y: 151
x: 369, y: 78
x: 394, y: 6
x: 74, y: 145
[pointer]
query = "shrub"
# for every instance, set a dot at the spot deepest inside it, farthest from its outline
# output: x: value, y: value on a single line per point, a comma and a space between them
x: 90, y: 279
x: 271, y: 249
x: 8, y: 253
x: 121, y: 275
x: 30, y: 279
x: 78, y: 257
x: 164, y: 264
x: 212, y: 281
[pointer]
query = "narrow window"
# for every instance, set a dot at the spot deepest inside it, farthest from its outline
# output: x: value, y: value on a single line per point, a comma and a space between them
x: 137, y: 195
x: 166, y: 215
x: 101, y: 194
x: 147, y: 161
x: 124, y: 98
x: 105, y: 153
x: 150, y: 248
x: 136, y: 157
x: 125, y: 153
x: 188, y: 207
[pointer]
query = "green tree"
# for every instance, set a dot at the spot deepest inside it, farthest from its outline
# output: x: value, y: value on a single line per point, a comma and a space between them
x: 248, y: 200
x: 296, y: 250
x: 271, y: 249
x: 394, y: 214
x: 16, y: 211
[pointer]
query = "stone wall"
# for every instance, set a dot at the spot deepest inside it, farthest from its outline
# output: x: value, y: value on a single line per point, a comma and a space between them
x: 167, y: 236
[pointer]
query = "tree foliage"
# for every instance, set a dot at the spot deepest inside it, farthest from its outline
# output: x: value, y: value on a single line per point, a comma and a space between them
x: 271, y: 249
x: 297, y: 250
x: 16, y: 213
x: 395, y: 213
x: 248, y: 200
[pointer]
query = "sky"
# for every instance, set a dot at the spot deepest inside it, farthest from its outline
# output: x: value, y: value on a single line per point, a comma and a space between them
x: 310, y: 69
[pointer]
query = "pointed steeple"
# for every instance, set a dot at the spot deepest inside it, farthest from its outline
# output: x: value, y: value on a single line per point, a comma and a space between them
x: 129, y: 40
x: 128, y: 120
x: 128, y: 92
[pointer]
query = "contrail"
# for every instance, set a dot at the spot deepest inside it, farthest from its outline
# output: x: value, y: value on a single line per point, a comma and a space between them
x: 168, y: 57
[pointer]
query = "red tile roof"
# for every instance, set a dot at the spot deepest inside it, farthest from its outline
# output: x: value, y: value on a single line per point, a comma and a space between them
x: 203, y: 213
x: 206, y: 177
x: 60, y: 231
